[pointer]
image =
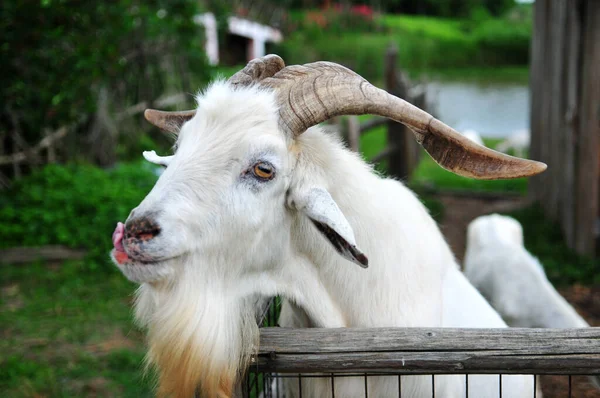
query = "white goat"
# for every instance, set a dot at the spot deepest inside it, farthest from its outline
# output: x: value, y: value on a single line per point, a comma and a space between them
x: 474, y: 136
x: 512, y: 280
x: 518, y: 141
x: 256, y: 202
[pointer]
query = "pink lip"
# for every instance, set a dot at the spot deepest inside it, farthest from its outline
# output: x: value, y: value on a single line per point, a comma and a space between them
x: 117, y: 238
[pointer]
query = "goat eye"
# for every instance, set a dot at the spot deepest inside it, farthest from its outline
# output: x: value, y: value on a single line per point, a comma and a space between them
x: 263, y: 171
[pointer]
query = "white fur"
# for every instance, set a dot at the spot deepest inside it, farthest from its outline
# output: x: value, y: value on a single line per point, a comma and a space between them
x: 473, y: 136
x: 518, y: 141
x: 514, y: 281
x: 227, y: 241
x: 152, y: 157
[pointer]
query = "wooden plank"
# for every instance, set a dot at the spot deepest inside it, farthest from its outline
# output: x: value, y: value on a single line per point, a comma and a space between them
x: 430, y: 350
x: 396, y: 134
x: 21, y: 255
x: 536, y: 79
x: 384, y: 154
x: 350, y: 340
x: 556, y: 109
x: 588, y: 142
x: 354, y: 133
x: 489, y: 362
x: 572, y: 61
x: 544, y: 115
x: 419, y: 99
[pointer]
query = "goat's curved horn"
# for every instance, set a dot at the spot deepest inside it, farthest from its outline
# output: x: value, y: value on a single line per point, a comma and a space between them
x: 168, y: 121
x: 256, y: 70
x: 312, y: 93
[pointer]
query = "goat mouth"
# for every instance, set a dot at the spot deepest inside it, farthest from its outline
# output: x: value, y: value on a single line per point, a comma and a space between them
x: 122, y: 258
x: 134, y: 255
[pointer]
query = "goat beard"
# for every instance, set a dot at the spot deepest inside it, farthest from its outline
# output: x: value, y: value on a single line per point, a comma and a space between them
x: 199, y: 341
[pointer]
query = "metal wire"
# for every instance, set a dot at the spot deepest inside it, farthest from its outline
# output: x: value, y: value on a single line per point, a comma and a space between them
x: 500, y: 386
x: 269, y: 385
x: 332, y: 386
x: 399, y: 386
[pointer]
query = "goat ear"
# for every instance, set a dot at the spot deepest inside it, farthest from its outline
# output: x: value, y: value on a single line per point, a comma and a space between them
x: 168, y: 121
x: 152, y: 157
x: 318, y: 205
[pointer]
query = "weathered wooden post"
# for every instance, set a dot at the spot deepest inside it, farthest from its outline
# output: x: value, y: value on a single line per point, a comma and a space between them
x: 354, y: 133
x: 565, y: 117
x: 399, y: 139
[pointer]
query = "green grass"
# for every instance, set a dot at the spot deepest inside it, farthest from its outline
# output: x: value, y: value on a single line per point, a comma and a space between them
x: 68, y: 333
x: 428, y: 173
x: 426, y: 44
x: 440, y: 28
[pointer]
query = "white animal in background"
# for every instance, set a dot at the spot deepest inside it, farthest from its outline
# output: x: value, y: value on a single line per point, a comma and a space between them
x: 258, y: 201
x: 473, y: 136
x: 512, y: 280
x: 518, y: 141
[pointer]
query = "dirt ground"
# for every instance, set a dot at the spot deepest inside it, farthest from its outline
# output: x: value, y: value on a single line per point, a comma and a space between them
x: 459, y: 211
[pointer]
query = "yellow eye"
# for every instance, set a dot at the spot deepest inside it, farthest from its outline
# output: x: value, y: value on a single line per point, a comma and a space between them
x: 263, y: 170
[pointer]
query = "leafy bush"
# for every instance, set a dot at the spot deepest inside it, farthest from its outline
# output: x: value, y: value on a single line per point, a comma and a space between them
x: 75, y: 205
x: 58, y: 57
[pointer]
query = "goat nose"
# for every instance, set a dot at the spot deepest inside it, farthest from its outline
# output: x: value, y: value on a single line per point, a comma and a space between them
x: 141, y: 228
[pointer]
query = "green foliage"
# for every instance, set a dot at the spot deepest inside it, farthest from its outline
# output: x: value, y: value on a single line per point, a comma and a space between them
x: 425, y: 44
x: 435, y: 206
x: 76, y: 205
x: 501, y: 45
x: 58, y: 54
x: 544, y: 239
x: 441, y: 8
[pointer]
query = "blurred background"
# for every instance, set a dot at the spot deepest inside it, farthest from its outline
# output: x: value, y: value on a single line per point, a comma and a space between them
x: 522, y: 77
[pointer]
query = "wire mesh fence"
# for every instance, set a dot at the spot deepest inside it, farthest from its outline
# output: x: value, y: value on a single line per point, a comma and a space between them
x: 272, y: 385
x: 397, y: 362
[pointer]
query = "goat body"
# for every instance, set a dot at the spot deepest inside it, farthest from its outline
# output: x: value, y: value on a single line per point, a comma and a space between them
x: 514, y: 281
x: 244, y: 212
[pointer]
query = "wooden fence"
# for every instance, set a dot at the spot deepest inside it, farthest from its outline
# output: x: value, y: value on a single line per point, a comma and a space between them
x: 402, y: 150
x: 429, y: 351
x: 565, y: 116
x: 23, y: 156
x: 300, y: 354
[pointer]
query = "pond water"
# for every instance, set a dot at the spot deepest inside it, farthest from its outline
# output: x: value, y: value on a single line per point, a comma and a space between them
x: 493, y: 110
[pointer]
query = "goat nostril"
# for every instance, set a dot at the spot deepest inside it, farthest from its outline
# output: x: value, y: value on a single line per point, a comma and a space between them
x: 142, y: 228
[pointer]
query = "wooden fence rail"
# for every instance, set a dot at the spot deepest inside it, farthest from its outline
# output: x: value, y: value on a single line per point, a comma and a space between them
x: 429, y: 351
